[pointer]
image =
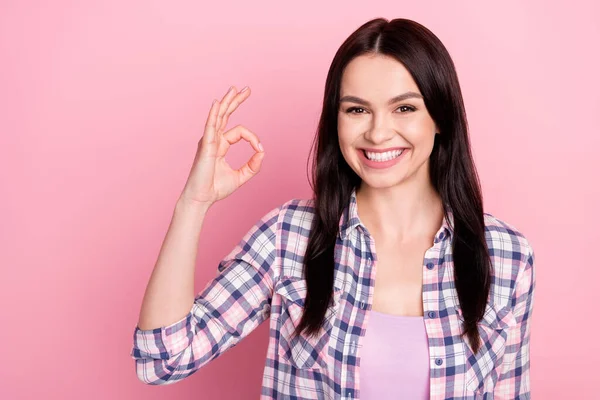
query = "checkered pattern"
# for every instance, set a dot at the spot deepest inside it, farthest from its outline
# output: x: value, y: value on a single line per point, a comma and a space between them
x: 261, y: 279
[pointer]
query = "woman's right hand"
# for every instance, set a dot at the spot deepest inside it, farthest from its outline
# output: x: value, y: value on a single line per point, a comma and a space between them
x: 211, y: 178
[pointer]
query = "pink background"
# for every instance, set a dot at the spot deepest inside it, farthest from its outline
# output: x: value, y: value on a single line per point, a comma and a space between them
x: 101, y: 108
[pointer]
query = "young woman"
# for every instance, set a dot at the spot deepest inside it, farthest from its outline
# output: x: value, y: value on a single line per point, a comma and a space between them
x: 391, y: 282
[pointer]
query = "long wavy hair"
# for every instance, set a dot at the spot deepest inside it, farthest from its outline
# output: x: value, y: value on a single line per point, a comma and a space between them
x: 452, y: 169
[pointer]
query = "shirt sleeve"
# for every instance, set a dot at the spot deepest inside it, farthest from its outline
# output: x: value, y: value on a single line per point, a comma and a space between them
x: 513, y: 383
x: 230, y: 306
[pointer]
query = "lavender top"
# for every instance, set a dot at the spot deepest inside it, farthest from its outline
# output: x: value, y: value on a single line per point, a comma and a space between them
x: 394, y: 358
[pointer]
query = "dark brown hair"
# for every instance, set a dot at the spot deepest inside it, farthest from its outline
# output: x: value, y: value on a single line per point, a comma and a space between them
x: 452, y: 169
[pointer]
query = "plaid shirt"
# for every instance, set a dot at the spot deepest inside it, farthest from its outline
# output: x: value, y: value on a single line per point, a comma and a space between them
x: 261, y: 279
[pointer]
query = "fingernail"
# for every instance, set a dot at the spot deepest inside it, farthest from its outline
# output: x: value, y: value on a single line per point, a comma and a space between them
x: 244, y: 89
x: 260, y: 146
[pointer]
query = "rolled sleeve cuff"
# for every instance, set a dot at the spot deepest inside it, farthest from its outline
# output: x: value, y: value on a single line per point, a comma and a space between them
x: 164, y: 342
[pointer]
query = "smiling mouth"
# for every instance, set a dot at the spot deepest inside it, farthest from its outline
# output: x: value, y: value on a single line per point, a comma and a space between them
x: 385, y: 156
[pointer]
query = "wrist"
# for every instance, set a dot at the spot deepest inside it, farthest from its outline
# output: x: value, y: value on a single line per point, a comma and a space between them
x: 188, y: 205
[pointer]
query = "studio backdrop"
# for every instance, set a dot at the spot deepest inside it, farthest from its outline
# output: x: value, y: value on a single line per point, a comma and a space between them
x: 102, y: 105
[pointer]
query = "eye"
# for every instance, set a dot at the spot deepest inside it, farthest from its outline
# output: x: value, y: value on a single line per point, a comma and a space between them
x: 409, y: 108
x: 351, y: 109
x: 359, y: 110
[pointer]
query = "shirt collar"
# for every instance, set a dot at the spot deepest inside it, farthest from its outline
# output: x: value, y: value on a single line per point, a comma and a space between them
x: 350, y: 221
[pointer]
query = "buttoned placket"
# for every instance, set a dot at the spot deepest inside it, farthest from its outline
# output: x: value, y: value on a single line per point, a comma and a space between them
x: 367, y: 266
x: 431, y: 298
x: 430, y: 260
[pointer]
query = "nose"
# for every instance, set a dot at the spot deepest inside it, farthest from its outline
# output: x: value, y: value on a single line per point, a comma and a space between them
x: 380, y: 131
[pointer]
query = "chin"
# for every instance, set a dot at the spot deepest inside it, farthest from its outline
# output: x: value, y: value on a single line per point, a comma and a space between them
x: 382, y: 182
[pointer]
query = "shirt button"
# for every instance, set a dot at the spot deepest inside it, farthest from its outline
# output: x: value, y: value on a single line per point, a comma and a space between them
x: 369, y: 258
x: 429, y: 265
x: 439, y: 361
x: 431, y: 314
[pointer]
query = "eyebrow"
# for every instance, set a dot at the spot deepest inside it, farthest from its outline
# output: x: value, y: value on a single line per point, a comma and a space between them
x: 401, y: 97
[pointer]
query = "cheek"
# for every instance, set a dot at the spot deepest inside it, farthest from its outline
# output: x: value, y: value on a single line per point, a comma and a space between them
x: 346, y: 135
x: 420, y: 133
x: 352, y: 126
x: 344, y: 130
x: 346, y: 148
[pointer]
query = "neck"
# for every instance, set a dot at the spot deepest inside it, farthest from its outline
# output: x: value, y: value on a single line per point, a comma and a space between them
x: 407, y: 211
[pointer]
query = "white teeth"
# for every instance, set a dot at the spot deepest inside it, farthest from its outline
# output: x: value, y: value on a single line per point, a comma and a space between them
x: 388, y: 155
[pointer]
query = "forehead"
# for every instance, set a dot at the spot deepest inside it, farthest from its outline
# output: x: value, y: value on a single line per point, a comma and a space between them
x: 376, y: 76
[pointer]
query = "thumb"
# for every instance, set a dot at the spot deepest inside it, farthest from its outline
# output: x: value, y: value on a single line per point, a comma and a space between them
x: 251, y: 168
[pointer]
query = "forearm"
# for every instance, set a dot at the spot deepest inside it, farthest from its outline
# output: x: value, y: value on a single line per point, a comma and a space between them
x: 169, y: 294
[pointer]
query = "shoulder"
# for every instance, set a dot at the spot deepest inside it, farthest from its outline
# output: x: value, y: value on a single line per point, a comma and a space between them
x: 289, y: 227
x: 281, y: 230
x: 505, y: 240
x: 292, y: 218
x: 296, y: 215
x: 511, y: 253
x: 296, y: 211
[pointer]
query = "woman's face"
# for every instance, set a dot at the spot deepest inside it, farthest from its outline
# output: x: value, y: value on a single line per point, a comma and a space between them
x: 385, y: 132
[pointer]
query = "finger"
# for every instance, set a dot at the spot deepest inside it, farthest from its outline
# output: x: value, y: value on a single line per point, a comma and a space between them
x: 251, y: 168
x: 224, y: 106
x: 238, y: 133
x: 210, y: 126
x: 235, y: 102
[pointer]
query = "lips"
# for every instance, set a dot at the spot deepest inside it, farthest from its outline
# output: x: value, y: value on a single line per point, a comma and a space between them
x: 380, y: 157
x: 382, y: 150
x: 373, y: 164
